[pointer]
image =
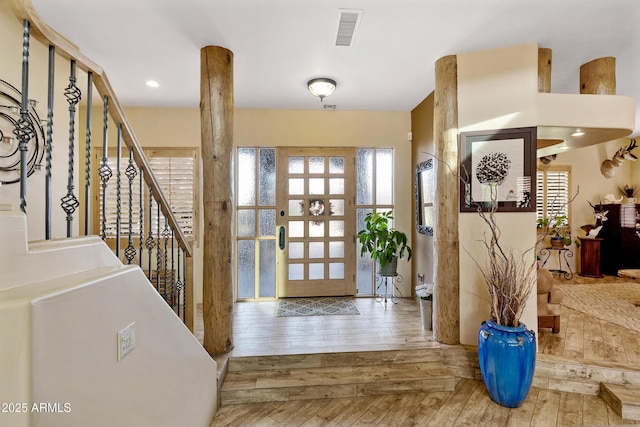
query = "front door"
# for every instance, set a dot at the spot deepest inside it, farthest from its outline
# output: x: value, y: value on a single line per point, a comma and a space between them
x: 316, y: 221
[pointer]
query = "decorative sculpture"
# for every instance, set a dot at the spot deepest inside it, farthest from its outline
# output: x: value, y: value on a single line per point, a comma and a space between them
x: 611, y: 167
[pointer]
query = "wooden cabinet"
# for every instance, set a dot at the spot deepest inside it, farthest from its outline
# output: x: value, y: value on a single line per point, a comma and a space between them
x: 620, y: 246
x: 590, y: 257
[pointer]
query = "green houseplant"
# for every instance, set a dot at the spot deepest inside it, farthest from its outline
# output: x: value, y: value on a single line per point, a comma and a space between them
x: 382, y: 242
x: 558, y: 228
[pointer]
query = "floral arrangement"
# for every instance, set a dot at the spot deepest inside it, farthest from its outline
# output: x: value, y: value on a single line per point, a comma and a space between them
x: 425, y: 291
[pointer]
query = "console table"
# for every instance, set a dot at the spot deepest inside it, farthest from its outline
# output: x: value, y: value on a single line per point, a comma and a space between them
x: 590, y: 257
x: 563, y: 254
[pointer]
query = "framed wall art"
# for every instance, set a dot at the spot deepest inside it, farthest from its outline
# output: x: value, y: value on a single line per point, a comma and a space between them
x: 501, y: 161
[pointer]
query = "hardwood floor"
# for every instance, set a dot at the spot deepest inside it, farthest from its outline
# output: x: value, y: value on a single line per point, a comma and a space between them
x: 582, y: 337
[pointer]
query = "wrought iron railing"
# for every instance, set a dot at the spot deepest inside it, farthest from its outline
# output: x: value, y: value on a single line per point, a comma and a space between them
x: 171, y: 273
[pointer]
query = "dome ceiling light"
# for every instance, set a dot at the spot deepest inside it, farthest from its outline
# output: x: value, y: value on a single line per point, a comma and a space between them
x: 321, y: 87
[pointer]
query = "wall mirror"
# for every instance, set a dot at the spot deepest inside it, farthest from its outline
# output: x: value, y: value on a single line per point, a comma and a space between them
x: 424, y: 188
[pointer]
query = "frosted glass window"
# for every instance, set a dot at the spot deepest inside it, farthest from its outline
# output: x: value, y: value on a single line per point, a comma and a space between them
x: 336, y: 228
x: 296, y: 207
x: 316, y: 271
x: 267, y: 177
x: 267, y: 270
x: 266, y: 222
x: 316, y: 228
x: 384, y: 176
x: 296, y: 186
x: 296, y: 164
x: 246, y: 176
x: 296, y: 271
x: 364, y: 167
x: 316, y: 164
x: 336, y: 164
x: 336, y: 270
x: 364, y: 265
x: 336, y: 186
x: 316, y: 249
x: 296, y: 250
x: 316, y: 186
x: 336, y: 249
x: 337, y: 207
x: 246, y: 269
x: 296, y: 228
x: 246, y: 222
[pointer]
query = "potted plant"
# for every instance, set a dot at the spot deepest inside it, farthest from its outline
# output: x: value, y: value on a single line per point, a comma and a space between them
x: 382, y: 242
x: 506, y: 347
x: 558, y: 228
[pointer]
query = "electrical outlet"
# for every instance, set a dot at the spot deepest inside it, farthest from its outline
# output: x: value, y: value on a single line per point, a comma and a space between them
x: 420, y: 277
x: 126, y: 340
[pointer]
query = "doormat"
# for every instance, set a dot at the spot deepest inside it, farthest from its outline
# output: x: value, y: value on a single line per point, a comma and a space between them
x: 318, y: 306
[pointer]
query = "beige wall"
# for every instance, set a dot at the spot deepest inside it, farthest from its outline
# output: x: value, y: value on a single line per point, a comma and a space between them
x: 496, y: 90
x: 423, y: 143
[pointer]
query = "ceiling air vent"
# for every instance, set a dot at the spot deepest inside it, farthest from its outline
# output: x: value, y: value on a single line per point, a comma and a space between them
x: 349, y: 20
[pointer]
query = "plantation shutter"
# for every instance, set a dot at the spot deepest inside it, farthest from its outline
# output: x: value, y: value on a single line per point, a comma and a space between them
x: 552, y: 195
x: 175, y: 176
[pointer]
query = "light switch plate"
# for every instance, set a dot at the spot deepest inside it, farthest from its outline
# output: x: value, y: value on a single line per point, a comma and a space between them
x: 126, y: 340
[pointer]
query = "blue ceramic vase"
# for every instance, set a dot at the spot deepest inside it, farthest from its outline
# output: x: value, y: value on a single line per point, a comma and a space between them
x: 507, y: 357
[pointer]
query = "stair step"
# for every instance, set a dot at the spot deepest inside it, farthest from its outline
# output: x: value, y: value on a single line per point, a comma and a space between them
x: 319, y: 360
x: 335, y: 381
x: 624, y: 399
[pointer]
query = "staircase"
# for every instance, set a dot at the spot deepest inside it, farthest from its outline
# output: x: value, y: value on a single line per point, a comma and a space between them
x: 333, y: 375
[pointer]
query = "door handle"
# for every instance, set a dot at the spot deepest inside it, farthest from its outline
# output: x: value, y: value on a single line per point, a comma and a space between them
x: 281, y: 238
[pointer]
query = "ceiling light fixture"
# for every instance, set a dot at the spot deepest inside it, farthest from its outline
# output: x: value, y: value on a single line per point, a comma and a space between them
x: 153, y: 83
x: 577, y: 133
x: 321, y: 87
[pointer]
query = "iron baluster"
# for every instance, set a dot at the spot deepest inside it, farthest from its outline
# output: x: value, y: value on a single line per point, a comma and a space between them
x: 150, y: 243
x: 141, y: 186
x: 165, y: 235
x: 105, y: 170
x: 173, y: 273
x: 158, y: 254
x: 179, y: 284
x: 87, y: 155
x: 24, y: 128
x: 130, y: 172
x: 49, y: 143
x: 118, y: 189
x: 183, y: 291
x: 73, y: 95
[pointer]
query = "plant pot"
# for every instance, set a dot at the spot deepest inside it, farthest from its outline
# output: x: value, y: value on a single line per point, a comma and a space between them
x: 556, y: 242
x: 507, y: 357
x: 390, y: 268
x: 426, y: 310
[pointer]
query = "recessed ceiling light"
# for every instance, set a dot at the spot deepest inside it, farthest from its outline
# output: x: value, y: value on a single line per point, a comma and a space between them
x: 153, y: 83
x: 577, y: 133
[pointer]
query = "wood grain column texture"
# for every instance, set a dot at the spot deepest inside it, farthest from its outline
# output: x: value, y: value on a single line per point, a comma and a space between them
x: 446, y: 302
x: 598, y: 76
x: 216, y: 121
x: 544, y: 70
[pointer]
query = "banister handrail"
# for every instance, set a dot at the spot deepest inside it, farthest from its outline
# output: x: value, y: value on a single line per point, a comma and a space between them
x: 23, y: 9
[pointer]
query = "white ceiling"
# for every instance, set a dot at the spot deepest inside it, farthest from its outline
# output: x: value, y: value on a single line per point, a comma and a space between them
x: 279, y: 45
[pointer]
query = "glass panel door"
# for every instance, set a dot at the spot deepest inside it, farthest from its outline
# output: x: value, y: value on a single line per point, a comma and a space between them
x: 316, y: 221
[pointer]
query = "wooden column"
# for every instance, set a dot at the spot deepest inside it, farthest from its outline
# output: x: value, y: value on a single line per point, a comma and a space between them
x: 544, y: 70
x: 446, y: 302
x: 598, y: 76
x: 216, y: 122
